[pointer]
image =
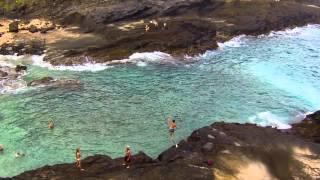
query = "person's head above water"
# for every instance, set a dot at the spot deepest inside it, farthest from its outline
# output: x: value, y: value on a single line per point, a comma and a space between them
x: 1, y: 147
x: 50, y: 124
x: 173, y: 120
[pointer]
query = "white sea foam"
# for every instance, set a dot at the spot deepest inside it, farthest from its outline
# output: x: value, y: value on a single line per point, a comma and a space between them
x: 156, y: 56
x: 300, y: 116
x: 268, y: 119
x: 12, y: 86
x: 237, y: 41
x: 292, y: 32
x: 141, y: 59
x: 38, y: 61
x: 141, y: 64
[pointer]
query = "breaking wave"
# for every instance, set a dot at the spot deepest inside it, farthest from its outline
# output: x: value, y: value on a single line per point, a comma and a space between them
x: 269, y: 119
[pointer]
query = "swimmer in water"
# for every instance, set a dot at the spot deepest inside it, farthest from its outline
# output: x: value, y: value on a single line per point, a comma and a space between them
x: 50, y: 124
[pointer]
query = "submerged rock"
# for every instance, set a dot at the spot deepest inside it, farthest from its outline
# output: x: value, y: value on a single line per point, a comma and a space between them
x: 42, y: 81
x: 55, y: 83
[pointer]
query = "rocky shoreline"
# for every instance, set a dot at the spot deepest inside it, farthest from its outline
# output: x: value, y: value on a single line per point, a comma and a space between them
x: 219, y: 151
x: 74, y: 32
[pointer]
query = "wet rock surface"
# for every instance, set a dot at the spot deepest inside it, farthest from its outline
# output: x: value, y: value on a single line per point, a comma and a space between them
x: 238, y: 151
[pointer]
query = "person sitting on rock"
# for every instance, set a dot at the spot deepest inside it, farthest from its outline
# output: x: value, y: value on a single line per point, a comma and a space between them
x: 127, y: 157
x: 172, y: 127
x: 50, y: 124
x: 78, y: 159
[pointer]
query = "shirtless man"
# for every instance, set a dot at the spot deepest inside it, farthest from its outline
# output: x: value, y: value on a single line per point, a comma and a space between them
x: 172, y: 128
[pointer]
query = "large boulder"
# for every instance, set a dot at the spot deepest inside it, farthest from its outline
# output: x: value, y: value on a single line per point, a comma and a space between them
x: 14, y: 27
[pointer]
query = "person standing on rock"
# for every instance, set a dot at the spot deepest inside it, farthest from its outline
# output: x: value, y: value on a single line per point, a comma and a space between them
x: 172, y: 128
x: 78, y: 159
x: 127, y: 157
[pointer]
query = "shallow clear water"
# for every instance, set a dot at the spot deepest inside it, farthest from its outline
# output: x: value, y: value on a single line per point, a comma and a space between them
x: 269, y: 80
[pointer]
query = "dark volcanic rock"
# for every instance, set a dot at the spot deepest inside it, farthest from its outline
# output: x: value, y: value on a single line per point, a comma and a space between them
x: 20, y: 68
x: 14, y: 27
x: 23, y: 48
x: 33, y: 29
x: 44, y: 30
x: 187, y: 36
x: 192, y: 26
x: 309, y: 127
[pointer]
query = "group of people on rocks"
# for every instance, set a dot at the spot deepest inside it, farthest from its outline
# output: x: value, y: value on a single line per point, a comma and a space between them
x: 128, y: 153
x: 155, y: 24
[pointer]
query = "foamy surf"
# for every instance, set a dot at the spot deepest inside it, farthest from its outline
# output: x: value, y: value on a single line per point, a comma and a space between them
x: 140, y: 59
x: 292, y: 32
x: 13, y: 83
x: 268, y: 119
x: 237, y: 41
x: 154, y: 57
x: 12, y: 86
x: 38, y: 61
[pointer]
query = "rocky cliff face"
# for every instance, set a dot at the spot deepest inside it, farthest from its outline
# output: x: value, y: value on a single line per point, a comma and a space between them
x: 219, y: 151
x: 114, y: 29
